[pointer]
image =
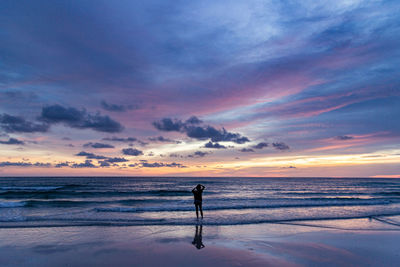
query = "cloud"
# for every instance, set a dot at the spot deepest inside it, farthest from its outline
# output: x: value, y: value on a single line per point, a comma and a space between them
x: 157, y: 165
x: 280, y: 146
x: 98, y: 145
x: 86, y: 164
x: 193, y: 120
x: 163, y: 140
x: 90, y: 155
x: 142, y: 143
x: 116, y: 159
x: 15, y: 124
x: 132, y: 152
x: 344, y: 137
x: 62, y: 164
x: 104, y: 163
x: 175, y: 155
x: 175, y: 165
x: 214, y: 145
x: 209, y: 132
x: 246, y: 150
x: 41, y: 164
x: 115, y: 107
x: 79, y: 119
x: 260, y: 145
x: 15, y: 164
x: 199, y: 154
x: 24, y: 164
x: 201, y: 132
x: 168, y: 125
x: 152, y: 165
x: 119, y: 139
x: 12, y: 141
x: 102, y: 160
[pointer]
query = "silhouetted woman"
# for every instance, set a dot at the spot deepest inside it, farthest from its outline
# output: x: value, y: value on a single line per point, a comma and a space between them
x: 197, y: 193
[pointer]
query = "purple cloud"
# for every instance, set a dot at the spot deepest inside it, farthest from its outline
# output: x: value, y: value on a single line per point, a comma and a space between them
x: 200, y: 132
x: 260, y: 145
x: 98, y: 145
x: 15, y: 124
x: 80, y: 119
x: 280, y: 146
x: 214, y: 145
x: 132, y: 152
x: 12, y: 141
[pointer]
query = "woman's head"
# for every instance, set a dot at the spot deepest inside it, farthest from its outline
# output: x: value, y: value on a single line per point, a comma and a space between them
x: 198, y: 186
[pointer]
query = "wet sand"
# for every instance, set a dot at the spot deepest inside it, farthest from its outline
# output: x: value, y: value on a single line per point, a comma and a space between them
x: 357, y: 242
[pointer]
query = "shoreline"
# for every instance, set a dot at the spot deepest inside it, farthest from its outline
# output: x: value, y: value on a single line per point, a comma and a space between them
x: 383, y: 220
x: 317, y: 244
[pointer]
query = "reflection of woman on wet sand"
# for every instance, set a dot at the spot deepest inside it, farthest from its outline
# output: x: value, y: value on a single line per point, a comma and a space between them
x: 197, y: 240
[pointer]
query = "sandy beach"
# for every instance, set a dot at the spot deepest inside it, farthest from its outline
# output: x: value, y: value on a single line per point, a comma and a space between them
x: 357, y: 242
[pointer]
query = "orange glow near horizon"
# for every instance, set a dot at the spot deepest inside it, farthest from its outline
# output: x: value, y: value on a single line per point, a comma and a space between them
x: 283, y: 166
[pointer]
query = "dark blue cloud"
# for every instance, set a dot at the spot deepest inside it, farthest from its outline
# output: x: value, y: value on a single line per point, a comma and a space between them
x: 193, y: 120
x: 214, y: 145
x: 41, y: 164
x: 89, y: 155
x: 152, y: 165
x: 175, y: 155
x: 209, y: 132
x: 200, y: 132
x: 162, y: 139
x: 80, y: 119
x: 15, y: 164
x: 98, y: 145
x: 175, y: 165
x: 120, y: 139
x: 260, y: 145
x: 199, y: 154
x: 12, y: 141
x: 115, y: 160
x: 158, y: 165
x: 15, y: 124
x: 104, y: 163
x: 103, y: 159
x: 168, y: 125
x: 132, y: 152
x: 24, y: 164
x: 62, y: 164
x: 115, y: 107
x: 246, y: 150
x: 280, y: 146
x: 86, y: 164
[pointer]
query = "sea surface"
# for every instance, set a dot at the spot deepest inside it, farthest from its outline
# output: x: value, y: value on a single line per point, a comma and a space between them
x: 120, y: 201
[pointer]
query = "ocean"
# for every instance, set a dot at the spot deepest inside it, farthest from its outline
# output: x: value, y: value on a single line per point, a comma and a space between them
x: 125, y: 201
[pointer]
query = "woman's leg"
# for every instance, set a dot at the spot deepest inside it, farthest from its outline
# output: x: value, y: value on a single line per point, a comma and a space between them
x: 197, y: 210
x: 201, y: 211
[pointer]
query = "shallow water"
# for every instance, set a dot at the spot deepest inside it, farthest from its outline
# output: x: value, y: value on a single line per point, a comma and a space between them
x: 67, y: 201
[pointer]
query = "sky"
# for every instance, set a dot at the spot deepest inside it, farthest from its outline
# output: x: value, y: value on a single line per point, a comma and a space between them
x: 200, y: 88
